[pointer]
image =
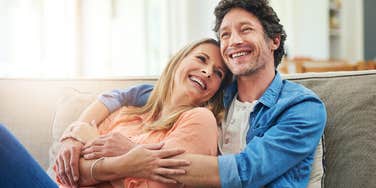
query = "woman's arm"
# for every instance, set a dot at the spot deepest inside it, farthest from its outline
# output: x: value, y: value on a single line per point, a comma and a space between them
x: 68, y: 157
x: 70, y: 151
x: 142, y: 161
x: 96, y: 111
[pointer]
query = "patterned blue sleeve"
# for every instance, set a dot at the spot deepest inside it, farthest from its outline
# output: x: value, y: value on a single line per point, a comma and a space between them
x: 132, y: 96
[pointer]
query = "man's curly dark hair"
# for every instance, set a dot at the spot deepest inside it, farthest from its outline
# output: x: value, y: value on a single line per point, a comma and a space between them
x: 266, y: 15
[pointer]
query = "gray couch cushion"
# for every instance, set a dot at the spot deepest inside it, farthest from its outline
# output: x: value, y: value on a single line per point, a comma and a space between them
x: 351, y: 127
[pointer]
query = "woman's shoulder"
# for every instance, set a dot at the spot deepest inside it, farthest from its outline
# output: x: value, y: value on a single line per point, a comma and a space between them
x: 198, y: 114
x: 199, y: 111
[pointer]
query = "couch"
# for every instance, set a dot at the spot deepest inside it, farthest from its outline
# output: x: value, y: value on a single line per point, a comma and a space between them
x: 37, y: 110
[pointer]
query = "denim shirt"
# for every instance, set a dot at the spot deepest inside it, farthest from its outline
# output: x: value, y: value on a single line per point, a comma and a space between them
x: 285, y: 128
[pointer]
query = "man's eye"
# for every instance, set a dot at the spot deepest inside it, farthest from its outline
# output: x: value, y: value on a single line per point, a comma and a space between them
x: 246, y: 29
x: 201, y: 58
x: 224, y: 35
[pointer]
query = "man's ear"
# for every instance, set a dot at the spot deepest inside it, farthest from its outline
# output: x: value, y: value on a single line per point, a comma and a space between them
x: 276, y: 41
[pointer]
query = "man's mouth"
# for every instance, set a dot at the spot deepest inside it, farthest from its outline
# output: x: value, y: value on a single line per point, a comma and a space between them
x: 198, y: 81
x: 235, y: 55
x: 239, y: 54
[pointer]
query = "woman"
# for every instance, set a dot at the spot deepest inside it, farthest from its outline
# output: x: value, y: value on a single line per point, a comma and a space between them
x: 177, y: 114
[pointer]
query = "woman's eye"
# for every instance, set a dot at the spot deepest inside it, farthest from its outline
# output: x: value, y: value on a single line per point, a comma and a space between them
x: 219, y: 73
x: 201, y: 58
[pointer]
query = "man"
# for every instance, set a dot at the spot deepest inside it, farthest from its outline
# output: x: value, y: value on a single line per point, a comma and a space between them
x: 273, y: 125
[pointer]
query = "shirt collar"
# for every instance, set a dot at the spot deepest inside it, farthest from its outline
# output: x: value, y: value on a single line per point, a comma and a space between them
x: 269, y: 98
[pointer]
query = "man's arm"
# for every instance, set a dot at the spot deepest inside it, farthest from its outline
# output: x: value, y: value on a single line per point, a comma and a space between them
x: 202, y: 171
x: 110, y: 102
x: 132, y: 96
x: 289, y: 139
x: 284, y: 145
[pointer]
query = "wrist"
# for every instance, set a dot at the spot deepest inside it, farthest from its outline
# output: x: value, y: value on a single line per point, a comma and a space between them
x: 80, y: 131
x: 108, y: 169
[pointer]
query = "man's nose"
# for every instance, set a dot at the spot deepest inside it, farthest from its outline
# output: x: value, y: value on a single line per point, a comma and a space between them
x: 235, y: 39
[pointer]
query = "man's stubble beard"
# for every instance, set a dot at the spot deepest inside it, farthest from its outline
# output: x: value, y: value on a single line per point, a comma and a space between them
x: 250, y: 70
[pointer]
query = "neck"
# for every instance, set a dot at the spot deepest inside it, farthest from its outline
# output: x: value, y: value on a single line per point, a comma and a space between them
x: 252, y: 86
x: 172, y: 104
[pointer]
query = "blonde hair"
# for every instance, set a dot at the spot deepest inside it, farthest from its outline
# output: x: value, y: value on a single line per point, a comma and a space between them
x: 163, y: 91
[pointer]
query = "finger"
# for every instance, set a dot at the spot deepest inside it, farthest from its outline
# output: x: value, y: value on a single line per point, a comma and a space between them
x: 94, y: 155
x: 61, y: 171
x: 162, y: 179
x: 96, y: 142
x: 75, y: 157
x: 168, y: 171
x: 67, y: 169
x: 169, y: 152
x: 173, y: 162
x: 92, y: 149
x: 157, y: 146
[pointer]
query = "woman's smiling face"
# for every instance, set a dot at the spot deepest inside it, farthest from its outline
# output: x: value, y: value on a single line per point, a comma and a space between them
x: 199, y: 75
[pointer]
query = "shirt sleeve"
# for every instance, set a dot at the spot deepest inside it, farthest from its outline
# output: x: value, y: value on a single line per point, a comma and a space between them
x: 195, y: 131
x: 292, y: 137
x: 132, y: 96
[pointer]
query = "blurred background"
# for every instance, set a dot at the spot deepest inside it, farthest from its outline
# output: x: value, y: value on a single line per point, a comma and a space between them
x: 117, y: 38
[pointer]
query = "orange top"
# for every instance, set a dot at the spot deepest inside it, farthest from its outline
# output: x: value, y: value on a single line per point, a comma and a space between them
x: 195, y: 131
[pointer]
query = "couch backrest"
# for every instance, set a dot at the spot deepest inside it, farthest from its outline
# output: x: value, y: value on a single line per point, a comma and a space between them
x: 350, y: 133
x: 28, y: 106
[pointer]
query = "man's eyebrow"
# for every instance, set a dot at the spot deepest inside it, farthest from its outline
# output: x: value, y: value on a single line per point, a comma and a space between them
x: 246, y: 23
x: 241, y: 24
x: 222, y: 28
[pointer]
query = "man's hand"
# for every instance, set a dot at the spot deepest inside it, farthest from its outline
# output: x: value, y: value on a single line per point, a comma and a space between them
x: 113, y: 144
x: 67, y: 162
x: 150, y: 161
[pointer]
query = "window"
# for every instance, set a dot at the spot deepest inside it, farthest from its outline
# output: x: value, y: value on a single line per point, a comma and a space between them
x: 86, y: 38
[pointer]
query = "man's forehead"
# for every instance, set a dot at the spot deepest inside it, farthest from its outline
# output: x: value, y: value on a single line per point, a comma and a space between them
x: 239, y: 16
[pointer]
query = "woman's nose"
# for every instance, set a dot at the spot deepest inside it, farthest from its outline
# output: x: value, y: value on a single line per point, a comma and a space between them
x: 206, y: 72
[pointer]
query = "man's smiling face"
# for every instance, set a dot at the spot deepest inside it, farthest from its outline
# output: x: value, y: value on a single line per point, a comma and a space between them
x: 244, y: 44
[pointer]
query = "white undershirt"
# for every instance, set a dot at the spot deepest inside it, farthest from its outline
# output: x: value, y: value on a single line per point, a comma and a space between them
x: 235, y: 127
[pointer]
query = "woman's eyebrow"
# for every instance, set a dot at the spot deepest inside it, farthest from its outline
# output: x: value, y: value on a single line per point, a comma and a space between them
x: 204, y: 54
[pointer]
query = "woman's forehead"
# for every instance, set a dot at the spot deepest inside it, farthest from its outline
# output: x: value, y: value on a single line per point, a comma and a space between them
x: 207, y: 48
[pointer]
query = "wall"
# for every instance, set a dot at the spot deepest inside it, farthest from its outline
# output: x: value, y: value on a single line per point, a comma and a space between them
x: 369, y: 29
x: 306, y: 25
x: 352, y: 31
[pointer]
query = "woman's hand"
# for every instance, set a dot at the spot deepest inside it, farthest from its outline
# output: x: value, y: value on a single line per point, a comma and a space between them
x: 113, y: 144
x: 149, y: 161
x: 67, y: 162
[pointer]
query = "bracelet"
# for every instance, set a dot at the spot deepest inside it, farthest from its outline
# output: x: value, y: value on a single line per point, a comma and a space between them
x: 93, y: 166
